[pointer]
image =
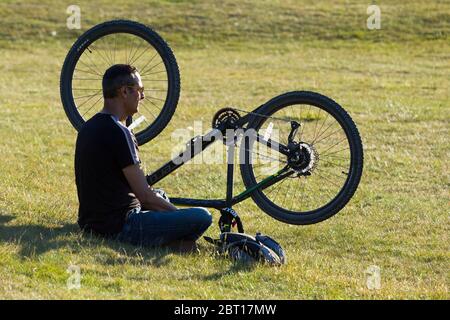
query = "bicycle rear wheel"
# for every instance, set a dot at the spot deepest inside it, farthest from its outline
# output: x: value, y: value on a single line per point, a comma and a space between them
x: 325, y: 162
x: 126, y: 42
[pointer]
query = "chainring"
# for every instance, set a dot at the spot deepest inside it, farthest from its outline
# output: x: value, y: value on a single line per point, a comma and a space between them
x: 225, y: 118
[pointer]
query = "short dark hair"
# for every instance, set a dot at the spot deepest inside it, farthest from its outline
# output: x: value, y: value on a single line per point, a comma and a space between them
x: 117, y: 76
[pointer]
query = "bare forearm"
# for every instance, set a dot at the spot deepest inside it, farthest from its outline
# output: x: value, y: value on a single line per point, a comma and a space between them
x: 155, y: 206
x: 154, y: 202
x: 147, y: 197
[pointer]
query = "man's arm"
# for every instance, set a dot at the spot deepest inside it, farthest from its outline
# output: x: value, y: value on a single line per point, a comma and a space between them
x: 147, y: 197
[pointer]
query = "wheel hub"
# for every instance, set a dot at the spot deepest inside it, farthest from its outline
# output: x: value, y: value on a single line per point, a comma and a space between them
x: 303, y: 159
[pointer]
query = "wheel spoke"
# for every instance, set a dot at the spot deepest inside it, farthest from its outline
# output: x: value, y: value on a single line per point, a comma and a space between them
x: 331, y: 173
x: 92, y: 106
x: 142, y: 70
x: 159, y: 108
x: 333, y: 163
x: 279, y: 187
x: 332, y: 182
x: 294, y: 200
x: 89, y: 72
x: 88, y: 99
x: 154, y: 98
x: 94, y: 71
x: 267, y: 157
x: 104, y: 58
x: 89, y: 95
x: 145, y: 107
x: 109, y: 53
x: 146, y: 72
x: 304, y: 123
x: 85, y: 89
x: 134, y: 49
x: 334, y: 132
x: 140, y: 55
x: 315, y: 137
x: 115, y: 43
x: 334, y: 145
x: 335, y: 156
x: 324, y: 131
x: 326, y: 154
x: 315, y: 126
x: 149, y: 73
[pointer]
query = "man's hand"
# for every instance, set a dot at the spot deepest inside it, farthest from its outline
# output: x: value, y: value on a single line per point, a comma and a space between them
x: 162, y: 194
x: 147, y: 197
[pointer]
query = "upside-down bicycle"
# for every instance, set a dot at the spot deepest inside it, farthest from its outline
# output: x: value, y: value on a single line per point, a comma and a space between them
x: 317, y: 150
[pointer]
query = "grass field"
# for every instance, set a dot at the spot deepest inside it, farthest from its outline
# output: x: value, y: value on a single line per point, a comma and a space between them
x: 394, y: 82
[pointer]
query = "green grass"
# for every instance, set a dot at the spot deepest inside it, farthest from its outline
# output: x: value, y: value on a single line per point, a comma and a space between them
x: 394, y: 82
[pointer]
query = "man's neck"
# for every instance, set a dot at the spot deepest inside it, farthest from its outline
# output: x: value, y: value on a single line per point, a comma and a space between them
x: 110, y: 107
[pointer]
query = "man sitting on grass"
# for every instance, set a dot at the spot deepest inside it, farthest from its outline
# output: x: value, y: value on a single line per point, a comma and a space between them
x: 115, y: 199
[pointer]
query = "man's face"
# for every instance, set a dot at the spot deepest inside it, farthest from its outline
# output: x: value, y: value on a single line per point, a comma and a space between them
x: 133, y: 95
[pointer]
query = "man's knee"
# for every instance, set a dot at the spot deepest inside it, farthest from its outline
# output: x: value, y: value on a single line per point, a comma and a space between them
x: 203, y: 216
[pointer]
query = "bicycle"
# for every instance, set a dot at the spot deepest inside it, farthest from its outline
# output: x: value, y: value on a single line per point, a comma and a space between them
x: 318, y: 146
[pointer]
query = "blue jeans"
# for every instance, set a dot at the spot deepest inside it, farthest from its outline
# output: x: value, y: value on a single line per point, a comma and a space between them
x: 156, y: 228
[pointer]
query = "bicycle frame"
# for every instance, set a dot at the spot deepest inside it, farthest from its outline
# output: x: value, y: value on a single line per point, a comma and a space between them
x: 193, y: 148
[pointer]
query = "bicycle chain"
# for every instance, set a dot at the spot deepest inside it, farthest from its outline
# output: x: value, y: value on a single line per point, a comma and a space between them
x: 262, y: 115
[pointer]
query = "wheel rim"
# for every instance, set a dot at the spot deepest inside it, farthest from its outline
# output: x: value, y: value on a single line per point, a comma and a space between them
x: 327, y: 137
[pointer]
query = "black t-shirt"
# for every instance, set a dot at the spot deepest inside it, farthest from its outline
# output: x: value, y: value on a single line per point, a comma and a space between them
x: 104, y: 147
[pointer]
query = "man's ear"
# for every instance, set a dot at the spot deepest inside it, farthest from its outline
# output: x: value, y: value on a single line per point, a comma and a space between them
x: 123, y: 92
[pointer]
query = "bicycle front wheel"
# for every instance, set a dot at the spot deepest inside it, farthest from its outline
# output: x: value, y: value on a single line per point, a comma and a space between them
x: 121, y: 42
x: 325, y: 158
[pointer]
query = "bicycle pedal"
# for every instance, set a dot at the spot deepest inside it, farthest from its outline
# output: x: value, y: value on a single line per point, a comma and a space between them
x: 229, y: 219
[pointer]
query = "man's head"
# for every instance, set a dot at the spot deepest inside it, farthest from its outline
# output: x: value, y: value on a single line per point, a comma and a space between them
x: 122, y: 83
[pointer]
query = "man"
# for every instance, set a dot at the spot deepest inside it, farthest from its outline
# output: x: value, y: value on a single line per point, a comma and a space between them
x: 115, y: 199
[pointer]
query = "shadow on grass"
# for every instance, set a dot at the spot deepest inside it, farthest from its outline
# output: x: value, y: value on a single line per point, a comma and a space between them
x: 233, y: 266
x: 34, y: 240
x: 236, y: 267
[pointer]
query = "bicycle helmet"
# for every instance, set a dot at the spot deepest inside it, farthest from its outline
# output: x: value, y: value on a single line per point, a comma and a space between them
x: 246, y: 248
